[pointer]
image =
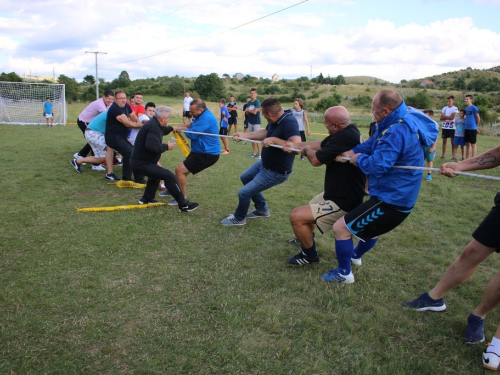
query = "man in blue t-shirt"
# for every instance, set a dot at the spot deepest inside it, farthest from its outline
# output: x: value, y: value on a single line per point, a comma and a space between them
x: 47, y: 112
x: 224, y: 121
x: 252, y: 112
x: 275, y: 166
x: 472, y: 120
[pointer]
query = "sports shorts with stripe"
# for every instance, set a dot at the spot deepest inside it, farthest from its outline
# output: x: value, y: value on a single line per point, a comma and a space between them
x: 374, y: 218
x: 325, y: 213
x: 487, y: 232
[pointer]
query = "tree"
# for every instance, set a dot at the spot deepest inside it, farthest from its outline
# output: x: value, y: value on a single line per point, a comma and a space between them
x: 89, y: 79
x: 320, y: 78
x: 10, y: 77
x: 331, y: 101
x: 122, y: 81
x: 210, y: 87
x: 340, y: 80
x: 70, y: 86
x: 419, y: 100
x: 176, y: 87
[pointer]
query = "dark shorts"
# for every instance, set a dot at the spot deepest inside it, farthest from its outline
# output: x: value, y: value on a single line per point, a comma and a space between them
x: 232, y: 120
x: 447, y: 133
x: 374, y: 218
x: 186, y: 114
x: 245, y: 125
x: 487, y: 232
x: 223, y: 131
x: 197, y: 162
x: 302, y: 135
x: 470, y: 136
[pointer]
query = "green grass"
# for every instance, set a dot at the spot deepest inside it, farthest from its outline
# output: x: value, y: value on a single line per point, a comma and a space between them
x: 155, y: 291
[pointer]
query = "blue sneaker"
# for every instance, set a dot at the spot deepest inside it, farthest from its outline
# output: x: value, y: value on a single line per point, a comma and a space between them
x: 475, y: 330
x: 429, y: 177
x: 231, y: 220
x: 334, y: 276
x: 256, y: 214
x: 173, y: 202
x: 425, y: 303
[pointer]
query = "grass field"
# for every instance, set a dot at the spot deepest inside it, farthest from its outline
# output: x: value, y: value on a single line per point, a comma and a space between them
x: 153, y: 291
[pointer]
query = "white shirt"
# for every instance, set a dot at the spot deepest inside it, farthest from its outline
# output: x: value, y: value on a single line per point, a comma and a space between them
x: 448, y: 111
x: 187, y: 102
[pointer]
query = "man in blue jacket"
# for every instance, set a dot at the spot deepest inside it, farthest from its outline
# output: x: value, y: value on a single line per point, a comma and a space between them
x: 205, y: 149
x: 398, y: 140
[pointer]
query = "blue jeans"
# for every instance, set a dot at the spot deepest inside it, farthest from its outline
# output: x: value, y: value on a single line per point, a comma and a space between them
x: 255, y: 180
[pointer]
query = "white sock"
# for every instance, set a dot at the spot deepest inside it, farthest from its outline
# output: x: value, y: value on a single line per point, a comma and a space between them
x: 494, y: 347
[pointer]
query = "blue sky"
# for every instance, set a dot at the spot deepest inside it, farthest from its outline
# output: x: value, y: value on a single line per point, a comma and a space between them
x: 392, y: 40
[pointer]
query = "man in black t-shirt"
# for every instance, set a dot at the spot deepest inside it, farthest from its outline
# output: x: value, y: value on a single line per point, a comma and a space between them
x: 120, y: 118
x: 344, y: 184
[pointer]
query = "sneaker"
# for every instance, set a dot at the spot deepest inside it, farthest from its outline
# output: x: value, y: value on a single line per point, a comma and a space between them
x: 117, y: 162
x: 140, y: 181
x: 143, y: 201
x: 258, y: 156
x: 301, y: 260
x: 425, y: 303
x: 165, y: 193
x: 356, y: 261
x: 462, y: 159
x: 76, y: 165
x: 334, y: 276
x: 454, y: 160
x: 163, y: 187
x: 442, y: 157
x: 112, y: 177
x: 231, y: 220
x: 491, y: 361
x: 475, y: 330
x: 255, y: 214
x: 190, y: 206
x: 294, y: 242
x: 225, y: 152
x: 429, y: 177
x: 302, y: 157
x: 173, y: 202
x: 253, y: 155
x: 78, y: 156
x: 98, y: 168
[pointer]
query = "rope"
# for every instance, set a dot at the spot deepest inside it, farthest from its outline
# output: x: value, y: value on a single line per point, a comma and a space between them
x: 239, y: 138
x: 437, y: 170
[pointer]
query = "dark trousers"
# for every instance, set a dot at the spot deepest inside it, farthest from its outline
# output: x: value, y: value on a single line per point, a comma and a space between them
x: 124, y: 147
x: 156, y: 173
x: 86, y: 149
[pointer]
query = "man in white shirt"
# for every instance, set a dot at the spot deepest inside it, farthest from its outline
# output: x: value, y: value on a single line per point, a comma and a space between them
x: 448, y: 114
x: 186, y: 114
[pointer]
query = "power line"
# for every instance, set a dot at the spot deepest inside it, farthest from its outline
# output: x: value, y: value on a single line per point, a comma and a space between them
x: 211, y: 36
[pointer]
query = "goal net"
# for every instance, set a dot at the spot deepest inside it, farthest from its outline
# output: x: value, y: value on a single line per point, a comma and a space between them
x: 22, y: 103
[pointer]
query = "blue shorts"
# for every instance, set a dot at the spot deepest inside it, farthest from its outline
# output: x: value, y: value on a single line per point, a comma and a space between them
x: 374, y: 218
x: 459, y: 141
x: 429, y: 156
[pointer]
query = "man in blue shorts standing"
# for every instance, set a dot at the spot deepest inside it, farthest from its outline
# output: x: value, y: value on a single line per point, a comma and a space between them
x: 398, y: 140
x: 252, y: 111
x: 275, y: 166
x: 472, y: 120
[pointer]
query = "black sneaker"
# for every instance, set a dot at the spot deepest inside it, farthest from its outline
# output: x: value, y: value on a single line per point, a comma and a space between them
x: 140, y: 181
x: 190, y: 206
x: 144, y: 201
x: 76, y: 165
x: 425, y: 303
x: 301, y: 260
x: 112, y: 177
x: 475, y: 330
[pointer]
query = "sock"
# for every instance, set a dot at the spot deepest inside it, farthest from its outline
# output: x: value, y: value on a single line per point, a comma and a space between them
x: 310, y: 252
x: 364, y: 247
x: 344, y: 250
x: 494, y: 346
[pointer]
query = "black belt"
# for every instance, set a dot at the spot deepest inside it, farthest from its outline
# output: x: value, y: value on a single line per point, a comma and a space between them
x: 278, y: 172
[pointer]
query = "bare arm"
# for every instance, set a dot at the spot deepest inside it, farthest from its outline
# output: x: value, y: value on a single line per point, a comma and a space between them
x: 129, y: 123
x: 489, y: 159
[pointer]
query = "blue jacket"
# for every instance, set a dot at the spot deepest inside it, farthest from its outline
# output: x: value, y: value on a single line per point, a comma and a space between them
x: 205, y: 144
x: 398, y: 140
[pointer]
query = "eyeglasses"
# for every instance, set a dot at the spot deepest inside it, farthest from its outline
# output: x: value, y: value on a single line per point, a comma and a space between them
x: 122, y: 98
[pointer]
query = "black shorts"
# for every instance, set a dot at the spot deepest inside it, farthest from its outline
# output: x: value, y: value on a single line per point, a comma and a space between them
x: 374, y: 218
x: 487, y: 232
x: 195, y: 163
x: 245, y: 125
x: 470, y: 136
x: 186, y: 114
x: 223, y: 131
x: 232, y: 120
x: 448, y: 133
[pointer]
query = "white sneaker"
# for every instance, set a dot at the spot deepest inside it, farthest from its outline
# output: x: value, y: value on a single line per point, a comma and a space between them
x: 78, y: 156
x: 356, y: 261
x: 491, y: 361
x: 98, y: 168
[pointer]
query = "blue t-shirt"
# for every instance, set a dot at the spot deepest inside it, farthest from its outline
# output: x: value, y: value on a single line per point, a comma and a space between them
x: 224, y: 123
x: 274, y: 158
x: 204, y: 144
x: 470, y: 117
x: 253, y: 119
x: 48, y: 108
x: 98, y: 124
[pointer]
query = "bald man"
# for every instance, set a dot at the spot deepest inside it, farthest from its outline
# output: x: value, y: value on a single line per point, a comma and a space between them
x: 401, y: 134
x: 344, y: 183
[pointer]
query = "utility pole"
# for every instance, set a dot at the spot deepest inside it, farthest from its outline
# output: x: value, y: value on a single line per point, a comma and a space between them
x: 96, y: 72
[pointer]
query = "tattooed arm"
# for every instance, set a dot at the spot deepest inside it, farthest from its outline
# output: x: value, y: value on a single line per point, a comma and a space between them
x: 490, y: 159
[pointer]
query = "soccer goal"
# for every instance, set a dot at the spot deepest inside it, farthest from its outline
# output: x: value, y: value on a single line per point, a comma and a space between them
x: 22, y: 103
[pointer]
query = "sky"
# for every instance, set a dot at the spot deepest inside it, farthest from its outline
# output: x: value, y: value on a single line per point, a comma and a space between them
x: 390, y: 40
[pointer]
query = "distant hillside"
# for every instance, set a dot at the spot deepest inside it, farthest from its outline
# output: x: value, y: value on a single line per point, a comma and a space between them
x: 365, y: 80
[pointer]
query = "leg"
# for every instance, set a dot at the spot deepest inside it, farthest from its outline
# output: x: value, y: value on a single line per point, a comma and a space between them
x: 110, y: 153
x: 181, y: 172
x: 226, y: 143
x: 474, y: 150
x: 467, y: 149
x: 462, y: 268
x: 454, y: 151
x: 303, y: 225
x: 491, y: 298
x: 444, y: 147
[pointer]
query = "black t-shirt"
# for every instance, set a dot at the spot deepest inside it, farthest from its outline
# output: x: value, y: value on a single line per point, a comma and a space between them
x: 344, y: 182
x: 113, y: 126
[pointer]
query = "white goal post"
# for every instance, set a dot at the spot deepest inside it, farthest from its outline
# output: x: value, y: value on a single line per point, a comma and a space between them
x: 22, y: 103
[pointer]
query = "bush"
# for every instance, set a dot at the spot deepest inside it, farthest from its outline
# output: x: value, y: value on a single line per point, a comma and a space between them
x: 419, y: 100
x: 325, y: 103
